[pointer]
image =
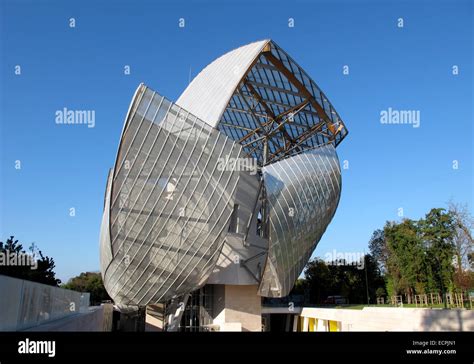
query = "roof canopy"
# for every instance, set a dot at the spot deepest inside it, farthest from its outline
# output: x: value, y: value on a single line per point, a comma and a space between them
x: 258, y: 96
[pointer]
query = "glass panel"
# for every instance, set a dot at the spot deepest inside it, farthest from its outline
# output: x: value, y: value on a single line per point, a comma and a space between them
x: 172, y: 204
x: 303, y: 192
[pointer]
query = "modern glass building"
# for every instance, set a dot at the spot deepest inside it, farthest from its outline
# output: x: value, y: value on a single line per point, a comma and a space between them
x: 232, y: 186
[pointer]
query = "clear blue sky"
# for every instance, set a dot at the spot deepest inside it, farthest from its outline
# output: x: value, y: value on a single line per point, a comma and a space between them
x: 390, y: 166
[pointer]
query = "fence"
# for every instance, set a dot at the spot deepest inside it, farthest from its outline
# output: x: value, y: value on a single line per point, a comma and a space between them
x: 25, y: 304
x: 450, y: 299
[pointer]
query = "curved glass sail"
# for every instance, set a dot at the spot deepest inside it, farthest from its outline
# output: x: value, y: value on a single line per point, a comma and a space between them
x: 303, y: 193
x: 169, y: 203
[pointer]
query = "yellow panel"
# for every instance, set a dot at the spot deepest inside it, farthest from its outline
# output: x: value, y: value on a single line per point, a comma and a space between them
x: 311, y: 324
x: 333, y: 326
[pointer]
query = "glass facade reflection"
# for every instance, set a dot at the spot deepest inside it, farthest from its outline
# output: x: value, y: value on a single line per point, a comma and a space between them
x: 303, y: 193
x: 169, y: 204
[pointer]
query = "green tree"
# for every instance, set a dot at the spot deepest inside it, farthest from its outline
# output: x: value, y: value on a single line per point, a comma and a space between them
x: 318, y: 279
x: 343, y: 278
x: 470, y: 258
x: 432, y: 254
x: 406, y: 263
x: 42, y: 271
x: 378, y: 249
x: 89, y: 282
x: 380, y: 292
x: 299, y: 287
x: 438, y: 231
x: 464, y: 245
x: 375, y: 277
x: 417, y: 256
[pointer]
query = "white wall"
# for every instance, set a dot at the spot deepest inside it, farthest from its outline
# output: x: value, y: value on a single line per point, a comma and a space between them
x: 395, y: 319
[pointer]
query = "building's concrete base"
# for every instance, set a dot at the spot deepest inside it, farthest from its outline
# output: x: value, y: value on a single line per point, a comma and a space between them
x: 369, y: 319
x: 237, y: 308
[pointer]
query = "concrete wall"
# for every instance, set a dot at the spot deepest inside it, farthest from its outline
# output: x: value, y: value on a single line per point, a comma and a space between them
x: 237, y: 308
x: 153, y: 323
x: 154, y: 320
x: 98, y: 318
x: 25, y: 304
x: 386, y: 319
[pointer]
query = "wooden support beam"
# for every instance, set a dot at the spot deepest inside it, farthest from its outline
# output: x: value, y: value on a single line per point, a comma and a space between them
x: 268, y: 111
x: 295, y: 109
x: 301, y: 88
x: 256, y: 119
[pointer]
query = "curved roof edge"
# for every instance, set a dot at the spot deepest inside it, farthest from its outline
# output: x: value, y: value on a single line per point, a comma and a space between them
x: 209, y: 92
